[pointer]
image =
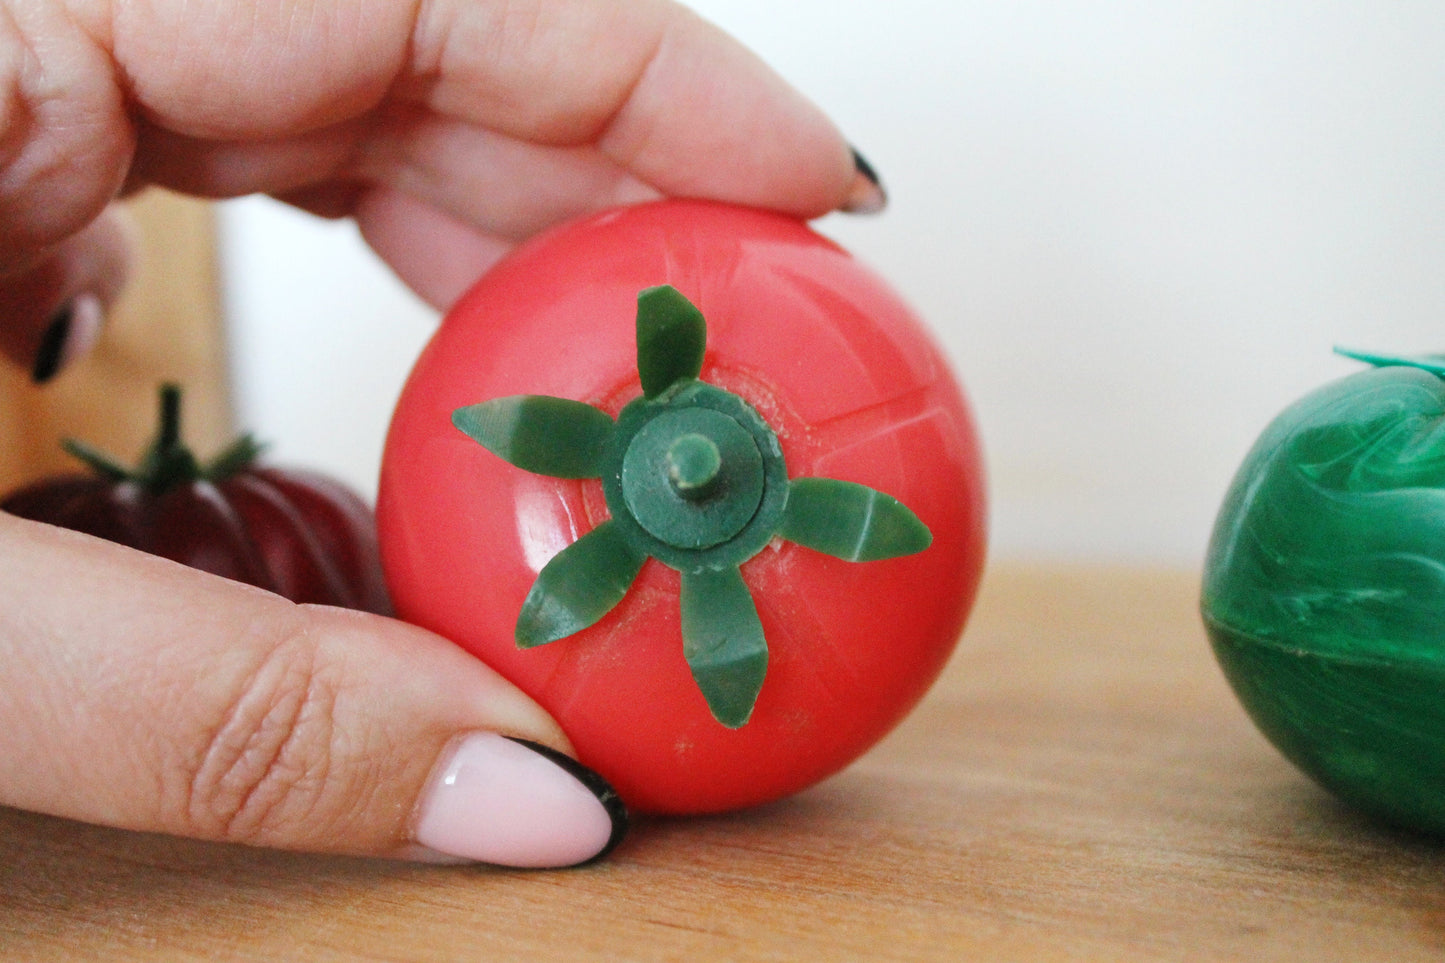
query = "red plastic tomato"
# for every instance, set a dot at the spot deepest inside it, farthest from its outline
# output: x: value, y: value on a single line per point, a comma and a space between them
x: 853, y: 389
x: 296, y: 533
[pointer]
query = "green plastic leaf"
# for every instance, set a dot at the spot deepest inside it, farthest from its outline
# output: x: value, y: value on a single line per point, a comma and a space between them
x: 238, y: 456
x: 1433, y: 363
x: 102, y: 463
x: 722, y: 640
x: 671, y: 339
x: 852, y: 522
x: 580, y: 585
x: 541, y: 434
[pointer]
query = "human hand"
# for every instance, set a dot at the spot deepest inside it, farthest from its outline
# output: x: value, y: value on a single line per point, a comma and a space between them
x: 450, y: 130
x: 147, y: 696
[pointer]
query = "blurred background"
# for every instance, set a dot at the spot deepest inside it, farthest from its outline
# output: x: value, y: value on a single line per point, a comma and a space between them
x: 1137, y: 229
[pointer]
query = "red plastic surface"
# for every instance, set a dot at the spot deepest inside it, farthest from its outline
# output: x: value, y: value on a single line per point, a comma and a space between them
x: 856, y: 390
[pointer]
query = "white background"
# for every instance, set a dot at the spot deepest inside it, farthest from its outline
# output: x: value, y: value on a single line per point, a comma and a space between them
x: 1137, y: 228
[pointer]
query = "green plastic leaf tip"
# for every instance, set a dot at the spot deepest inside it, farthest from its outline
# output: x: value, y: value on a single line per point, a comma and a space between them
x: 235, y: 458
x: 852, y: 522
x: 580, y: 585
x: 1433, y: 363
x: 537, y: 433
x: 671, y: 339
x: 103, y: 463
x: 722, y: 641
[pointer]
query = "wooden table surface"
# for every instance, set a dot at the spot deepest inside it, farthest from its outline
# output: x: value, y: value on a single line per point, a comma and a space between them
x: 1080, y: 785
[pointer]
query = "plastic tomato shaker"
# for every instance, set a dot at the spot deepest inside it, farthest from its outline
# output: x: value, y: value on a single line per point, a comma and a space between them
x: 700, y: 484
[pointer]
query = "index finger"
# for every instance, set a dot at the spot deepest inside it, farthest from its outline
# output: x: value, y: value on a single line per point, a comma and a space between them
x: 669, y: 98
x: 531, y: 111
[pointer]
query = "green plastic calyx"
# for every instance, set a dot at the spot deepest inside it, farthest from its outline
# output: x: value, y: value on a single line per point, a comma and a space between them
x: 168, y: 462
x: 693, y: 477
x: 1433, y: 363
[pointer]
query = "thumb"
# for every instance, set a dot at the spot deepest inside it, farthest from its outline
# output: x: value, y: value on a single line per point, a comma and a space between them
x: 145, y: 695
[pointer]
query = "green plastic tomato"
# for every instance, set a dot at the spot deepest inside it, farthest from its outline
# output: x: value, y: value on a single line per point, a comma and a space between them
x: 1324, y: 590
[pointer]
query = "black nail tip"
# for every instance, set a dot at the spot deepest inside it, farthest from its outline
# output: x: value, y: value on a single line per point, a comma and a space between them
x: 611, y: 802
x: 52, y: 346
x: 865, y: 168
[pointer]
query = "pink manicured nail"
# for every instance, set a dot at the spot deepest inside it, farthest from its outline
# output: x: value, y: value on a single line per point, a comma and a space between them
x: 516, y: 803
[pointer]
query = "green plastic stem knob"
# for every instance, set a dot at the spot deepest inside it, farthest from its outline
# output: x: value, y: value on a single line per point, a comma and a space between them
x: 693, y: 464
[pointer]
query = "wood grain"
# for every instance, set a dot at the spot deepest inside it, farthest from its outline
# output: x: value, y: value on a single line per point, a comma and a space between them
x: 167, y: 326
x: 1080, y: 786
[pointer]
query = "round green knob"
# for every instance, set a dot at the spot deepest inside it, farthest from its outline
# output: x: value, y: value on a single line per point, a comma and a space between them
x: 692, y: 477
x: 693, y: 464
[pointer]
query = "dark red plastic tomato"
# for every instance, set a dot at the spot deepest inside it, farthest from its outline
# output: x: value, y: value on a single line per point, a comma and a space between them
x: 851, y: 389
x: 296, y: 533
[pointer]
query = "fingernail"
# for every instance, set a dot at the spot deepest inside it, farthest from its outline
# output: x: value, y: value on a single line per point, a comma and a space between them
x: 511, y: 802
x: 866, y: 196
x: 72, y: 332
